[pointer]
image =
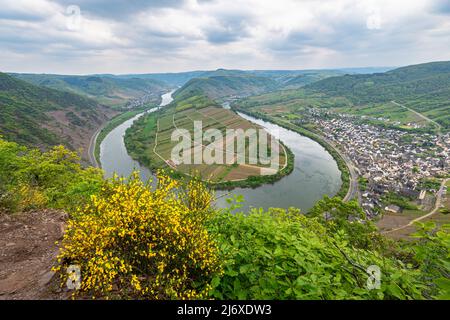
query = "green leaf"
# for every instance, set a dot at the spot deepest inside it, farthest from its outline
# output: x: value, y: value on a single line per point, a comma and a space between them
x: 215, y: 282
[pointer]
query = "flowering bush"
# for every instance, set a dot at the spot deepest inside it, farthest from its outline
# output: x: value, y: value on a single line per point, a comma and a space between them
x: 132, y: 241
x: 31, y: 179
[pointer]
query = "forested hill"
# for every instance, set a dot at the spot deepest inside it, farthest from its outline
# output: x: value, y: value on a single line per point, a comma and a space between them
x: 226, y: 85
x: 309, y: 77
x: 424, y: 87
x: 109, y: 90
x: 41, y: 117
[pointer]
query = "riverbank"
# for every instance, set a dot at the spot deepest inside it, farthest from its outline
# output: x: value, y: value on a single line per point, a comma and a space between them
x: 314, y: 170
x: 137, y: 145
x: 341, y: 163
x: 108, y: 127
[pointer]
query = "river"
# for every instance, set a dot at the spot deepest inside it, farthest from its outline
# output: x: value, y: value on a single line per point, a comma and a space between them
x: 113, y: 153
x: 315, y: 171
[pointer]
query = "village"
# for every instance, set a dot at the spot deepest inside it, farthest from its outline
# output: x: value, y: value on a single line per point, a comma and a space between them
x: 142, y: 100
x: 388, y: 161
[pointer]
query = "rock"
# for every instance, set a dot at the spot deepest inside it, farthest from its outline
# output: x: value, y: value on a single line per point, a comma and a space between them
x: 45, y: 279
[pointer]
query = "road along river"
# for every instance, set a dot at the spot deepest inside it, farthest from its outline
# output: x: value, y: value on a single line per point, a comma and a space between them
x: 315, y: 171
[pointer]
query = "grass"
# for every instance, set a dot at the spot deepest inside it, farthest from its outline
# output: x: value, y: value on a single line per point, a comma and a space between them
x: 153, y: 147
x: 389, y: 112
x: 113, y: 123
x: 293, y: 103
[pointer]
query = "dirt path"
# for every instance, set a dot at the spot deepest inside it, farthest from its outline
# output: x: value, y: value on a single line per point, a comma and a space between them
x: 353, y: 188
x: 27, y: 253
x: 431, y: 213
x: 224, y: 150
x: 91, y: 148
x: 419, y: 115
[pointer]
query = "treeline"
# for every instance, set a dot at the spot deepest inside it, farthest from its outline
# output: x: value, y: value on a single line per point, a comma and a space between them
x: 219, y: 86
x: 26, y: 107
x: 133, y: 241
x: 139, y: 139
x: 423, y: 87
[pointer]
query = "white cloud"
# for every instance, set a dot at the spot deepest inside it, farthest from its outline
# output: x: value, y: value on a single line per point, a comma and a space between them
x: 203, y: 34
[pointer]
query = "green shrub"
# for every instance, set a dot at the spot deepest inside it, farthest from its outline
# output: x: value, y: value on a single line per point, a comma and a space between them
x: 284, y: 255
x: 432, y: 255
x: 32, y: 179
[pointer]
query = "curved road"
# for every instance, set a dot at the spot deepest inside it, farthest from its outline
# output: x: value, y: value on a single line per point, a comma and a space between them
x: 353, y: 189
x: 437, y: 205
x: 91, y: 148
x: 419, y: 115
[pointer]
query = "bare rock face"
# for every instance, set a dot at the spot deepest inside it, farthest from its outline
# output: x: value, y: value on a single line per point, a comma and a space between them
x: 28, y: 252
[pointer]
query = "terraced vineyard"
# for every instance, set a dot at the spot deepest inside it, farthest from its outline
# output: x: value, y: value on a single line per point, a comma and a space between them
x: 150, y: 141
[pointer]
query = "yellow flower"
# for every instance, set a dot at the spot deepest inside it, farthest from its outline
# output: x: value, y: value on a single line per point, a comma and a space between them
x: 157, y: 238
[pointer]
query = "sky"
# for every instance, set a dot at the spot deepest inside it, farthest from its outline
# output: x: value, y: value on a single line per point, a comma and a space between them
x: 137, y: 36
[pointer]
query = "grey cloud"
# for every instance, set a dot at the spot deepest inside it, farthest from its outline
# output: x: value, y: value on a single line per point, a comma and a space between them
x: 230, y: 28
x: 346, y: 35
x: 349, y: 34
x: 441, y: 6
x: 23, y: 15
x: 119, y: 9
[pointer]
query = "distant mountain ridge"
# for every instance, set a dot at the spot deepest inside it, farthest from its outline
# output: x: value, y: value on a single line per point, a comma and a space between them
x: 108, y: 90
x: 219, y: 86
x: 42, y: 117
x: 281, y: 76
x: 423, y: 87
x: 415, y: 79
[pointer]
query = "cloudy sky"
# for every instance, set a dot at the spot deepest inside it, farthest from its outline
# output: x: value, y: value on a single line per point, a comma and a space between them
x: 137, y: 36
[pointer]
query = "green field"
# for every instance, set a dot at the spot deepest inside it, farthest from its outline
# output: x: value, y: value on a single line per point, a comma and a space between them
x: 113, y: 123
x: 421, y: 88
x: 150, y: 141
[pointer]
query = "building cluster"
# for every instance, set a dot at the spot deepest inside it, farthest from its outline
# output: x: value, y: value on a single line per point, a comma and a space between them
x: 142, y: 100
x: 387, y: 160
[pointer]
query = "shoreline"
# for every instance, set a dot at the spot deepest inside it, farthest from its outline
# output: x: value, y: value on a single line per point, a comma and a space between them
x: 345, y: 192
x: 105, y: 129
x: 249, y: 182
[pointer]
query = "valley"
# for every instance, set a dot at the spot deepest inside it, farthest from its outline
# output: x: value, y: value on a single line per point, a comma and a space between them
x: 225, y: 159
x: 367, y: 168
x: 42, y: 117
x: 313, y: 167
x: 400, y: 153
x: 158, y: 128
x: 120, y: 93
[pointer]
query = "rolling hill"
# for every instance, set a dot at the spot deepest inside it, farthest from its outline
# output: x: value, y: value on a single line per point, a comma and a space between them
x: 109, y: 90
x: 220, y: 86
x: 150, y: 141
x: 173, y: 79
x: 424, y: 88
x: 42, y: 117
x: 306, y: 78
x: 280, y: 76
